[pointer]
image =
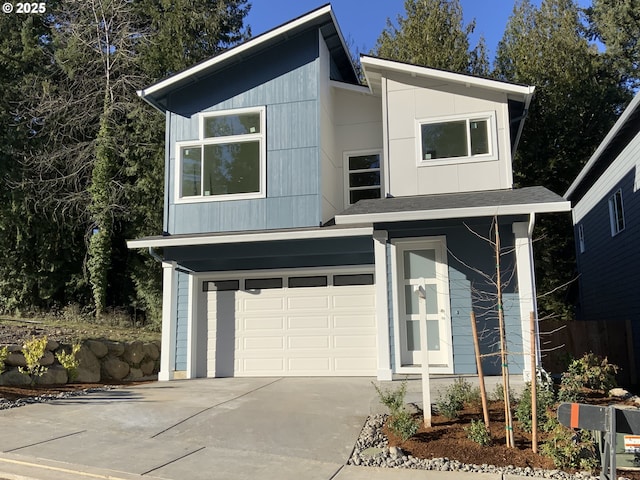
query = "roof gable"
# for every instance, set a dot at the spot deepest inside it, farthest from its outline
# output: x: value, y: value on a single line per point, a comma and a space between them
x: 321, y: 19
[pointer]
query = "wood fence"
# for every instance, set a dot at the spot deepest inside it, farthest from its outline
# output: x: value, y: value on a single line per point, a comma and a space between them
x: 560, y: 342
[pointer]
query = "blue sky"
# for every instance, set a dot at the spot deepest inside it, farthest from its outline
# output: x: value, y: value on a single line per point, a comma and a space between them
x: 361, y: 21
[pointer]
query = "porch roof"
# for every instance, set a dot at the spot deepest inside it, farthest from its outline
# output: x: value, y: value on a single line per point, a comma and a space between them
x: 488, y: 203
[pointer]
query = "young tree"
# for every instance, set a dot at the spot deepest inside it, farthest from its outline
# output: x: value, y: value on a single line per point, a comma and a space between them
x: 577, y: 99
x: 432, y: 33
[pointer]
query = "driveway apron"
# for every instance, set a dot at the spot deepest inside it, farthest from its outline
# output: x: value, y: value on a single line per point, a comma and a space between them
x: 241, y: 428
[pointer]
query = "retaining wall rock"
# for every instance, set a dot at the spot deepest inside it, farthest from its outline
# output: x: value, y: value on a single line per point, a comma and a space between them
x: 99, y: 361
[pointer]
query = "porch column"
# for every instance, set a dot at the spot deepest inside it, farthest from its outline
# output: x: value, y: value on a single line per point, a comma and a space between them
x: 526, y: 287
x: 169, y: 301
x: 192, y: 327
x: 382, y: 307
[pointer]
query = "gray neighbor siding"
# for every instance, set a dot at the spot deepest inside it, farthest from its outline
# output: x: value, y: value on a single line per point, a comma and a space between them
x: 468, y: 289
x: 181, y: 321
x: 285, y: 81
x: 610, y: 265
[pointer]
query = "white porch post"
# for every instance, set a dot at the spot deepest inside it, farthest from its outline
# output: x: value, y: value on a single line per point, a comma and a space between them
x: 382, y: 307
x: 526, y: 287
x: 192, y: 327
x: 169, y: 300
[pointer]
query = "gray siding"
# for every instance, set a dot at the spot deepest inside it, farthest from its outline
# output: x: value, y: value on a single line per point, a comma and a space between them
x: 181, y: 321
x: 285, y: 80
x: 610, y: 266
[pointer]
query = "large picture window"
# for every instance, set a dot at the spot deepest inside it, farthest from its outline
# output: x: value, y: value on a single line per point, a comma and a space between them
x: 362, y: 176
x: 458, y: 138
x: 227, y: 161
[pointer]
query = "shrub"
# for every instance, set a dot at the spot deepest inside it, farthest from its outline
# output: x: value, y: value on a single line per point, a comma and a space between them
x: 4, y: 353
x: 33, y: 350
x: 69, y: 361
x: 546, y: 401
x: 498, y: 394
x: 478, y: 433
x: 569, y: 449
x: 455, y: 396
x: 401, y: 422
x: 588, y: 372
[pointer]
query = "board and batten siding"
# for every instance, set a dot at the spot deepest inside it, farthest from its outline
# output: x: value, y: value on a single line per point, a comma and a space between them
x: 610, y: 265
x: 182, y: 306
x: 286, y: 83
x: 409, y: 100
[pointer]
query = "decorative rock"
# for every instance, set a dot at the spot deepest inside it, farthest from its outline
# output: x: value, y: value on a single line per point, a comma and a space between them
x: 115, y: 349
x: 395, y: 452
x: 14, y: 378
x: 55, y: 375
x: 151, y: 351
x: 115, y: 368
x: 619, y: 393
x: 14, y: 348
x: 135, y: 374
x: 133, y: 353
x: 99, y: 349
x: 147, y: 367
x: 52, y: 345
x: 15, y: 359
x: 47, y: 359
x: 88, y: 366
x: 372, y: 452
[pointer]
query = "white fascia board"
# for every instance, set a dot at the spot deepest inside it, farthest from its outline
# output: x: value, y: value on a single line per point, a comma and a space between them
x: 459, y: 78
x: 603, y: 145
x: 447, y: 213
x: 249, y: 237
x: 351, y: 87
x: 249, y: 44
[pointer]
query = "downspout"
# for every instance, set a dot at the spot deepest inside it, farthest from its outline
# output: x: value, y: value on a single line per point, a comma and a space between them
x: 154, y: 255
x: 532, y: 224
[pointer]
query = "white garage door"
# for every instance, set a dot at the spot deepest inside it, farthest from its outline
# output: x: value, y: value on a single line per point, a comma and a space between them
x: 293, y: 325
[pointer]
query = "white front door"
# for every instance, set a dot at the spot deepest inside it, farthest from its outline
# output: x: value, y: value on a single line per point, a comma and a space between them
x: 418, y: 262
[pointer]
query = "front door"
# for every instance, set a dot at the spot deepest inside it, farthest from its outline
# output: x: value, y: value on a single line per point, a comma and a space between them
x: 424, y: 262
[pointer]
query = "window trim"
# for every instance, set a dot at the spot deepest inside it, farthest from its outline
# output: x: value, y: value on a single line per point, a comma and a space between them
x: 490, y: 116
x: 345, y: 163
x: 201, y: 142
x: 616, y: 211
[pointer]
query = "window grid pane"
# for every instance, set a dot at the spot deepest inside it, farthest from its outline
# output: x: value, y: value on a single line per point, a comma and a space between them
x: 191, y: 160
x: 262, y: 283
x: 229, y: 125
x: 479, y: 133
x: 231, y: 168
x: 444, y: 140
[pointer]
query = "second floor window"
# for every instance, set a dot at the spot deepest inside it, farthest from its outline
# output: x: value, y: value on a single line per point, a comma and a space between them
x: 458, y: 138
x: 616, y: 213
x: 362, y: 176
x: 228, y: 160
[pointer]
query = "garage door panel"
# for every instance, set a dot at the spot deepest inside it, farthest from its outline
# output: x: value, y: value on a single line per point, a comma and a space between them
x: 302, y: 365
x: 308, y: 342
x: 258, y: 365
x: 309, y: 302
x: 354, y: 321
x: 297, y: 322
x: 263, y: 343
x: 355, y: 341
x: 262, y: 323
x: 258, y: 303
x: 354, y: 364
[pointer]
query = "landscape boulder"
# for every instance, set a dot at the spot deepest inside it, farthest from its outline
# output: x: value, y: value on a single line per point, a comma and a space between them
x: 151, y: 351
x: 115, y: 349
x: 115, y: 368
x: 148, y: 367
x: 98, y: 348
x: 135, y: 374
x: 88, y: 366
x: 47, y: 359
x: 133, y: 353
x: 14, y: 378
x: 16, y: 359
x: 55, y: 375
x: 52, y: 345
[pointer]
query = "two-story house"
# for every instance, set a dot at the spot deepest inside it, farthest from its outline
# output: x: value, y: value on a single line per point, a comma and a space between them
x: 606, y: 217
x: 302, y: 208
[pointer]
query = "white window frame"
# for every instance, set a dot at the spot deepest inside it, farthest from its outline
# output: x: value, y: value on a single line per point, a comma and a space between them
x: 202, y: 141
x: 492, y: 133
x: 345, y: 162
x: 581, y: 238
x: 616, y: 210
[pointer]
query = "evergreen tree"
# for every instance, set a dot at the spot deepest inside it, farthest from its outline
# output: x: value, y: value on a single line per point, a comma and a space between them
x: 432, y: 33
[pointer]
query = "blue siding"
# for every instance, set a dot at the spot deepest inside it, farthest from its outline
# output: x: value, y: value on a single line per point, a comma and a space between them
x: 181, y: 321
x: 285, y: 80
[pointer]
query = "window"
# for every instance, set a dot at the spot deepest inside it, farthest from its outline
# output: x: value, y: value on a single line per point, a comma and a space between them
x: 229, y: 159
x: 616, y: 213
x: 303, y: 282
x: 221, y: 286
x: 262, y: 283
x: 459, y: 138
x: 362, y: 176
x: 581, y: 237
x: 357, y: 279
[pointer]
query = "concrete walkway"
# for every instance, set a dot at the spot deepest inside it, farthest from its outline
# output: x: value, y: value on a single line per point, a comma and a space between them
x: 270, y: 428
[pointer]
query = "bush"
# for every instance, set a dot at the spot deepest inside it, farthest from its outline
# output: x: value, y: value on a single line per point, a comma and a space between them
x: 401, y: 422
x: 69, y: 361
x: 498, y: 394
x: 33, y: 350
x: 455, y: 396
x: 478, y: 433
x: 4, y: 353
x: 569, y: 449
x: 589, y: 372
x: 546, y: 401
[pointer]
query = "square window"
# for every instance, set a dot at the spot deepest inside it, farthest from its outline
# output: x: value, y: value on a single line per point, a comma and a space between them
x: 228, y: 161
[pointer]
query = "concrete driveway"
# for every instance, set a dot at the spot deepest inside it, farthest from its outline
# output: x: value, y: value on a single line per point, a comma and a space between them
x: 284, y: 428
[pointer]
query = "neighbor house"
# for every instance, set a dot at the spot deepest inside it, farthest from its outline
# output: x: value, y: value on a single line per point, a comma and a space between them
x: 606, y: 217
x: 302, y: 208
